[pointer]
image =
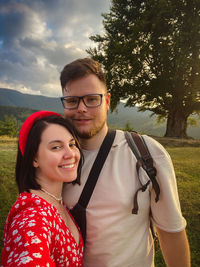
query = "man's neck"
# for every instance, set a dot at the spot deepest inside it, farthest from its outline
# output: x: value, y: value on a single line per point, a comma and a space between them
x: 94, y: 142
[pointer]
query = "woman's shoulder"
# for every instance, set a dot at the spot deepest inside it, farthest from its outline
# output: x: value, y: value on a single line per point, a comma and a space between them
x: 29, y: 228
x: 28, y: 202
x: 28, y: 208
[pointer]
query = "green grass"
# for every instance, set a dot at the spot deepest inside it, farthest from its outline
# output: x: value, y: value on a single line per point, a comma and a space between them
x: 8, y: 189
x: 186, y: 162
x: 187, y: 166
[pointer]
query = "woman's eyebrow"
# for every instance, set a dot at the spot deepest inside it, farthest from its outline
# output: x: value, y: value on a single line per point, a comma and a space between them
x: 59, y: 141
x: 55, y: 141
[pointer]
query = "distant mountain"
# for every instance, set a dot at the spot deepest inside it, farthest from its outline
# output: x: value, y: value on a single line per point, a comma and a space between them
x: 139, y: 121
x: 14, y: 98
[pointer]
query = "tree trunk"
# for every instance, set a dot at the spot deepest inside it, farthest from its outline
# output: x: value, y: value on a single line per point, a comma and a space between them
x: 176, y: 124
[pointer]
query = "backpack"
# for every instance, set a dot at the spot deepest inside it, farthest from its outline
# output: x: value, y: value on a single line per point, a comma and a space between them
x: 144, y: 160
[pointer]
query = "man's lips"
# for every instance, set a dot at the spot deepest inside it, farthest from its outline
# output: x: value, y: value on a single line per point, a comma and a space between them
x: 82, y: 120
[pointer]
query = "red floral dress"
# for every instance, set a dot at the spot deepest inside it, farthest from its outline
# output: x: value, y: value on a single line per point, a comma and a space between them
x: 36, y: 235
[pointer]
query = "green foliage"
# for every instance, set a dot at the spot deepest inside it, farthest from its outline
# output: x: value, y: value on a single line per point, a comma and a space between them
x: 192, y: 121
x: 11, y: 119
x: 186, y: 163
x: 8, y: 189
x: 150, y: 51
x: 128, y: 127
x: 10, y: 126
x: 18, y: 112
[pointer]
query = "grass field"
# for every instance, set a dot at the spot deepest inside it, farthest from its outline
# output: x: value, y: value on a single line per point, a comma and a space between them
x: 186, y: 161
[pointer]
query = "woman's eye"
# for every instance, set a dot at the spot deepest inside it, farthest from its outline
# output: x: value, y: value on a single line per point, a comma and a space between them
x: 56, y: 147
x: 72, y: 145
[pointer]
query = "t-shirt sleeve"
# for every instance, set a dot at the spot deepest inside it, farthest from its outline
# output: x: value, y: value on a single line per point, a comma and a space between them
x: 166, y: 213
x: 28, y: 241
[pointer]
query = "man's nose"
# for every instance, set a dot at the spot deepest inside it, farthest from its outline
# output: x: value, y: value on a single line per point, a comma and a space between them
x: 81, y: 106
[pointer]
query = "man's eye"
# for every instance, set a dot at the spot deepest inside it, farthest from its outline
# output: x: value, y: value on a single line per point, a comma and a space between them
x: 92, y: 99
x: 71, y: 100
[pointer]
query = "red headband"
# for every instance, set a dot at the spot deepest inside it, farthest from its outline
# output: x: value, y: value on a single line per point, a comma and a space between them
x: 26, y: 127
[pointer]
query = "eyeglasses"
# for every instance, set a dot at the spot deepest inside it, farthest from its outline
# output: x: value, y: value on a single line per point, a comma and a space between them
x: 90, y: 101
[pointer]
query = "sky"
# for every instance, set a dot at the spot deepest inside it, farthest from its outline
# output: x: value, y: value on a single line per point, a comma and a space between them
x: 39, y: 37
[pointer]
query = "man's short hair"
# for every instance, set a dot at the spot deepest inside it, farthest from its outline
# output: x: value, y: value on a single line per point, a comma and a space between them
x: 81, y: 68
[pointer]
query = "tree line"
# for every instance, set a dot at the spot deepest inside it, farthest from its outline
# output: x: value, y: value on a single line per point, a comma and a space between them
x: 10, y: 126
x: 11, y: 119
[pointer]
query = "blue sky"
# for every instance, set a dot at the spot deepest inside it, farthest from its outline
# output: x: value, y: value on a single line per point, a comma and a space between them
x: 39, y: 37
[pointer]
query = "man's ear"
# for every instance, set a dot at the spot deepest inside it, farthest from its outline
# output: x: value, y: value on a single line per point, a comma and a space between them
x: 108, y: 96
x: 35, y: 163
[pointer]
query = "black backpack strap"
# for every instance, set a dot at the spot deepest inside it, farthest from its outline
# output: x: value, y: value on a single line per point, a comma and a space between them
x: 144, y: 160
x: 96, y: 169
x: 147, y: 162
x: 79, y: 210
x: 139, y: 148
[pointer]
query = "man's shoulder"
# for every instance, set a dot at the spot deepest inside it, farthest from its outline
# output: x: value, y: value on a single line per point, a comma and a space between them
x: 154, y: 147
x: 120, y: 135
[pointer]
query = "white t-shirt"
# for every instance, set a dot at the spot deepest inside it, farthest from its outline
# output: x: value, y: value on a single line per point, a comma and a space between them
x: 115, y: 236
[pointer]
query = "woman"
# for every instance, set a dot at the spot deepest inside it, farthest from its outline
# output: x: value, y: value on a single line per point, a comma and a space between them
x: 39, y: 230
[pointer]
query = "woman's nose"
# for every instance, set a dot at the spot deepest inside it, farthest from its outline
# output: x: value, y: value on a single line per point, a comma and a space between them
x: 68, y: 152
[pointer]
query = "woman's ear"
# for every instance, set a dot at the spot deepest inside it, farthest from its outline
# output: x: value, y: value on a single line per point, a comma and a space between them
x: 35, y: 163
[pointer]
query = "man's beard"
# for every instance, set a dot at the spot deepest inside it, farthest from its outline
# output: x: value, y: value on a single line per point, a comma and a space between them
x: 91, y: 133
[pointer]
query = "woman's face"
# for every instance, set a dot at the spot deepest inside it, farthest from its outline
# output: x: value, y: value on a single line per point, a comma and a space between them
x: 58, y: 157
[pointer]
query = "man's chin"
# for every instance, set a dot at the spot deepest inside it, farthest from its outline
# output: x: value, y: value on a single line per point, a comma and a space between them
x: 85, y: 135
x: 89, y: 133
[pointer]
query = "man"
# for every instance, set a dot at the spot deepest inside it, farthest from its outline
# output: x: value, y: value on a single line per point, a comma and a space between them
x: 115, y: 236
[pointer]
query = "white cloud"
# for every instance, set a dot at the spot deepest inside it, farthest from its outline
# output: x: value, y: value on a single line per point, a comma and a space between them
x: 37, y: 38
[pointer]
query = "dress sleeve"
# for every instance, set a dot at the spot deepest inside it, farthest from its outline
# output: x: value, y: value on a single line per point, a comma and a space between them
x: 28, y: 241
x: 166, y: 212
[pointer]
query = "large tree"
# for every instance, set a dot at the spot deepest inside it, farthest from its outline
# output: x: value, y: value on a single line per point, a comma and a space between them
x: 150, y: 50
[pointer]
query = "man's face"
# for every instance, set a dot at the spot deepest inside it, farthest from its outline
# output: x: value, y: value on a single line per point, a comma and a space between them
x: 87, y: 121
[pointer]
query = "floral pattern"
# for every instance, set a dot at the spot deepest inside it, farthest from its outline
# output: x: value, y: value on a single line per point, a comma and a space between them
x: 36, y: 235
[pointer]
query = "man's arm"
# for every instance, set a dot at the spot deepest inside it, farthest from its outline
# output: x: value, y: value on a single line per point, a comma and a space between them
x: 175, y: 248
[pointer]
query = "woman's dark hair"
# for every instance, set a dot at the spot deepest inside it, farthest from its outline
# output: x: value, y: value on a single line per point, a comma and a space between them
x: 25, y: 171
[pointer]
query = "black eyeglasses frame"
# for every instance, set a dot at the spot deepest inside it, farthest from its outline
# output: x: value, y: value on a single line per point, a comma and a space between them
x: 81, y: 98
